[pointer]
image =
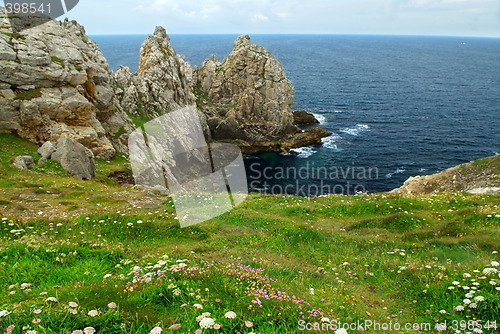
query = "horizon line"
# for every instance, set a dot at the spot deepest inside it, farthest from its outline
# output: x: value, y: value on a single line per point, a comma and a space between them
x: 301, y: 34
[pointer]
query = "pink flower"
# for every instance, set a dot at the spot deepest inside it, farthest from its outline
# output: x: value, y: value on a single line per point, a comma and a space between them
x: 37, y: 311
x: 36, y: 321
x: 217, y: 300
x: 112, y: 305
x: 77, y: 332
x: 216, y: 326
x: 9, y: 329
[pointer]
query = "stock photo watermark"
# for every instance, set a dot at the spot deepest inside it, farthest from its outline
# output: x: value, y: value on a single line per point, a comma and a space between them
x: 294, y: 180
x: 204, y: 181
x: 31, y: 13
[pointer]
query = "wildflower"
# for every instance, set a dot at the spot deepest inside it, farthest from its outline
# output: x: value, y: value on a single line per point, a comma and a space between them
x: 477, y: 330
x: 217, y: 326
x: 493, y: 283
x: 442, y: 311
x: 77, y: 332
x: 198, y: 331
x: 495, y: 264
x: 207, y: 323
x: 473, y: 305
x: 467, y: 275
x: 479, y: 299
x: 139, y: 222
x: 249, y: 324
x: 198, y: 306
x: 341, y: 331
x: 489, y: 271
x: 37, y: 311
x: 93, y: 313
x: 455, y: 283
x: 217, y: 300
x: 112, y: 305
x: 73, y: 304
x: 107, y: 276
x: 311, y: 291
x: 156, y: 330
x: 459, y: 308
x: 89, y: 330
x: 36, y: 321
x: 467, y: 301
x: 230, y: 315
x: 25, y: 286
x: 9, y: 329
x: 51, y: 299
x: 73, y: 311
x: 325, y: 319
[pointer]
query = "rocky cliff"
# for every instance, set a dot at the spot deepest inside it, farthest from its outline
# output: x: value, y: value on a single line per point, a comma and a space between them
x: 248, y: 99
x: 55, y: 80
x: 163, y: 83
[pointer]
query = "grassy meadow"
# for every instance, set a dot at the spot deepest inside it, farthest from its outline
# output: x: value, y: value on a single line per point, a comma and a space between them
x: 95, y: 257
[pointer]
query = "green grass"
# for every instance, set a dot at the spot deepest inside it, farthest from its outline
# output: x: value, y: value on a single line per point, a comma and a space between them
x: 57, y: 60
x: 377, y: 257
x: 29, y: 95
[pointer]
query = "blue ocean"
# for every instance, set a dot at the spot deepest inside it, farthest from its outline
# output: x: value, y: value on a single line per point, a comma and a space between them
x: 397, y: 106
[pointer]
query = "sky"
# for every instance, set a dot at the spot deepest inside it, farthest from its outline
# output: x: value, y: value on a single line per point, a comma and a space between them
x: 393, y: 17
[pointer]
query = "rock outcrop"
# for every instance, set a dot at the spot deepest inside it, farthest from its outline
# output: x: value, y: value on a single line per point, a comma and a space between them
x: 55, y: 81
x: 478, y: 177
x: 248, y: 98
x: 75, y: 158
x: 163, y: 83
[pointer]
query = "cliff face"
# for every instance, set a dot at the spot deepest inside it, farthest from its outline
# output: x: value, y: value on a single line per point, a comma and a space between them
x: 247, y: 96
x: 55, y: 80
x: 163, y: 82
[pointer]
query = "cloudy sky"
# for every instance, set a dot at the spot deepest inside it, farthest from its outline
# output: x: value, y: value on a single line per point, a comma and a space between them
x: 414, y: 17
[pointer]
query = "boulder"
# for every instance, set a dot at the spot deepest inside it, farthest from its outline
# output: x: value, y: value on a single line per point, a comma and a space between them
x: 46, y: 151
x: 75, y: 158
x: 24, y: 162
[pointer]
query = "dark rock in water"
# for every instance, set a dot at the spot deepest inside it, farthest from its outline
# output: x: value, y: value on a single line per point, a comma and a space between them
x: 24, y: 162
x: 300, y: 139
x: 75, y: 158
x: 301, y: 117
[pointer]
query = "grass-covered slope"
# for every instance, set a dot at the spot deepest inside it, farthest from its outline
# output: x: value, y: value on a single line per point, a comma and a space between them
x: 76, y: 255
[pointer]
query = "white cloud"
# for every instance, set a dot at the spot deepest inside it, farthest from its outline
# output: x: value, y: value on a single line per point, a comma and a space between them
x: 479, y: 17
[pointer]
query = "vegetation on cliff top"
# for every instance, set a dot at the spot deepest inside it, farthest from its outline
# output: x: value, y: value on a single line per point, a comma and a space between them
x: 93, y: 255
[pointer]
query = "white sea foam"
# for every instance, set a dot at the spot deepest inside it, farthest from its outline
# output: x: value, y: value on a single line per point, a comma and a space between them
x: 400, y: 170
x: 321, y: 118
x: 304, y: 152
x: 330, y: 142
x: 355, y: 131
